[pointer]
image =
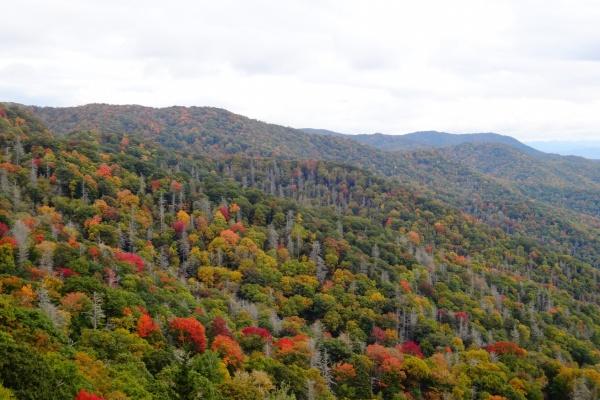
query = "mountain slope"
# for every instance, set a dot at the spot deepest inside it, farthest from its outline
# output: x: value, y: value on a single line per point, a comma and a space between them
x: 504, y: 203
x: 130, y: 270
x: 568, y: 182
x: 565, y: 182
x: 202, y: 129
x: 426, y: 140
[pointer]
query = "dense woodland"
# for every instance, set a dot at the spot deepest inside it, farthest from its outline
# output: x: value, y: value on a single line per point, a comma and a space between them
x: 133, y: 266
x: 552, y: 200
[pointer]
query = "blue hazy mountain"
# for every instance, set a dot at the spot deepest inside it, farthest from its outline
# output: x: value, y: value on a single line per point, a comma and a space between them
x: 587, y: 149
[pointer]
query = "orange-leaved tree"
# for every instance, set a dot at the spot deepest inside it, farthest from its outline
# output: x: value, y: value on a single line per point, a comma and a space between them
x: 229, y: 349
x: 189, y: 331
x: 146, y: 326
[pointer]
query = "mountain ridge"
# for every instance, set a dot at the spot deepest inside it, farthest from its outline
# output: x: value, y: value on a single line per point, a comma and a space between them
x: 580, y: 148
x: 474, y: 184
x: 422, y: 140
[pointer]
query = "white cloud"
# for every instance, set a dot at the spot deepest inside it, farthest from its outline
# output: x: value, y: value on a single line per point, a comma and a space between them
x: 527, y: 68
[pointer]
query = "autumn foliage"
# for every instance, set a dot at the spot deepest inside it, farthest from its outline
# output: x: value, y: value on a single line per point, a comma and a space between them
x: 66, y: 272
x: 104, y: 171
x: 355, y: 286
x: 178, y: 226
x: 412, y: 348
x: 176, y: 186
x: 131, y: 259
x: 146, y: 325
x: 405, y: 286
x: 378, y: 334
x: 461, y: 315
x: 379, y: 354
x: 3, y: 229
x: 502, y: 348
x: 219, y: 327
x: 225, y: 212
x: 189, y: 331
x: 414, y: 238
x: 238, y: 227
x: 230, y: 237
x: 344, y: 372
x: 84, y: 395
x: 254, y: 330
x: 295, y: 347
x: 229, y: 349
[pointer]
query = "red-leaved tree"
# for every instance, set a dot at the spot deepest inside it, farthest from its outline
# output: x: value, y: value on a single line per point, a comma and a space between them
x: 84, y: 395
x: 225, y: 212
x: 3, y: 229
x: 178, y: 227
x: 502, y: 348
x: 255, y: 330
x: 219, y: 327
x: 189, y: 331
x: 410, y: 347
x: 146, y: 325
x: 378, y: 334
x: 131, y: 259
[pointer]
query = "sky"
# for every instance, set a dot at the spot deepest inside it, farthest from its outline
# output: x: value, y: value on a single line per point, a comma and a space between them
x: 529, y: 69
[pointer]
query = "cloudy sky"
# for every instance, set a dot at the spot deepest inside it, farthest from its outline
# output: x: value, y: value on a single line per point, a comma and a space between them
x: 530, y: 69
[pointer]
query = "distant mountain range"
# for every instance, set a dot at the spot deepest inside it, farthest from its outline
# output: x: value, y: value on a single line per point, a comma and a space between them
x: 434, y: 139
x: 425, y: 140
x: 587, y: 149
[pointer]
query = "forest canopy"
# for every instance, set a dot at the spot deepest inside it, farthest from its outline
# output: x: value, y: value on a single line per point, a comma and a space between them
x: 134, y: 268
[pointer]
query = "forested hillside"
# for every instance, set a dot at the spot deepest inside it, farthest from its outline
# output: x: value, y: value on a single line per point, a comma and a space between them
x: 205, y: 129
x: 569, y: 182
x: 428, y: 140
x: 134, y: 266
x: 552, y: 200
